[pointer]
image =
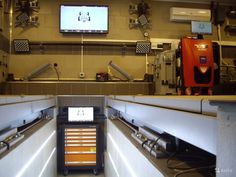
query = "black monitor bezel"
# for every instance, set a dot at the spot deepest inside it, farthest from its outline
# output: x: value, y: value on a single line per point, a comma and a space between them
x: 201, y: 33
x: 81, y: 107
x: 83, y: 32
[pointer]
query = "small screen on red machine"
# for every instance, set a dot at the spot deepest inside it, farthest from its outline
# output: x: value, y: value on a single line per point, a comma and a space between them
x: 199, y: 27
x: 203, y: 59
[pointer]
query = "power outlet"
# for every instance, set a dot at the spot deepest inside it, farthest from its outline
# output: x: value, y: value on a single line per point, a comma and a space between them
x: 81, y: 74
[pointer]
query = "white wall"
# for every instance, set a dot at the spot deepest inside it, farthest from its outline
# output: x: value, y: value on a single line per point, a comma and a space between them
x: 96, y: 58
x: 123, y: 158
x: 35, y: 157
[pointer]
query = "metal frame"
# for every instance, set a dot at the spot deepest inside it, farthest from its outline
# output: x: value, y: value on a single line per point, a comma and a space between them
x: 212, y: 127
x: 190, y: 127
x: 19, y: 110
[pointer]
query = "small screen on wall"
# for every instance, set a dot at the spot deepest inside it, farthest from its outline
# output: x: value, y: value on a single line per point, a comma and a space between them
x: 84, y: 19
x: 199, y: 27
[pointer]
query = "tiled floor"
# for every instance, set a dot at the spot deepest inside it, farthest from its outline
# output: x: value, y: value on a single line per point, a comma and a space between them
x: 82, y: 174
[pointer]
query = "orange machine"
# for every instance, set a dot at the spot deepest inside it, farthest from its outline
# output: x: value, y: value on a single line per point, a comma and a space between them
x: 197, y: 66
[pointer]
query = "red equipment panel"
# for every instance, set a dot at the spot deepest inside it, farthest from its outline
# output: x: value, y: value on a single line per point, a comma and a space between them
x: 197, y: 62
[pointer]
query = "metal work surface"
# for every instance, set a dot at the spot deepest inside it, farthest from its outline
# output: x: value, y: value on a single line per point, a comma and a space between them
x: 226, y: 116
x: 8, y: 99
x: 189, y: 118
x: 35, y: 155
x: 129, y: 150
x: 207, y: 122
x: 19, y: 110
x: 82, y: 174
x: 184, y: 125
x: 196, y: 104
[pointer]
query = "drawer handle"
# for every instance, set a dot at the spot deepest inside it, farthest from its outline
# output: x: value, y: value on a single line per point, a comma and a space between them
x: 81, y: 133
x: 80, y: 129
x: 80, y: 141
x: 80, y: 137
x: 80, y: 145
x: 80, y: 162
x: 82, y: 152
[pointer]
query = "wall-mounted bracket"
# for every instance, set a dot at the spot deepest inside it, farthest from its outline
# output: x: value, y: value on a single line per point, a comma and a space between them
x: 26, y: 17
x: 141, y: 18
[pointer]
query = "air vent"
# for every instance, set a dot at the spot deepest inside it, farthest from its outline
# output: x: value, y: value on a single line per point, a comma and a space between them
x: 189, y: 14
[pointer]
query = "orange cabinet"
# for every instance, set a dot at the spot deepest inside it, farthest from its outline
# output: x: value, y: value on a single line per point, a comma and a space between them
x: 80, y: 147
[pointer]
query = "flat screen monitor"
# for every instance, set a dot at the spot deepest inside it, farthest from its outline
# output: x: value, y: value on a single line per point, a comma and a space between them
x: 80, y: 114
x: 84, y: 19
x: 199, y: 27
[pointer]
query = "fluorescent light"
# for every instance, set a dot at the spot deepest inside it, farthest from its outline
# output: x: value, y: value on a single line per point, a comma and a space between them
x: 46, y: 164
x: 202, y: 12
x: 35, y: 155
x: 122, y: 156
x: 113, y: 164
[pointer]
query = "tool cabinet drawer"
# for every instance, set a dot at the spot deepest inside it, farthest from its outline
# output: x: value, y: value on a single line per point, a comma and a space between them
x: 80, y: 149
x: 75, y: 159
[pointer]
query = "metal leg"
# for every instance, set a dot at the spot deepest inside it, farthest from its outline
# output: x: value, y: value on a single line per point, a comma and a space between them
x: 65, y: 172
x: 226, y: 142
x: 95, y: 172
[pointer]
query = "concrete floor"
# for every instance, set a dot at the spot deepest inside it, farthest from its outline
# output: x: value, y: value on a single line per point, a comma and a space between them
x: 82, y: 174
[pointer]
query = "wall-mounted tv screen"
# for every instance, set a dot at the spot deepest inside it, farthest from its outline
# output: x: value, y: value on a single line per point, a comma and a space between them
x: 84, y: 19
x: 200, y: 27
x: 80, y: 114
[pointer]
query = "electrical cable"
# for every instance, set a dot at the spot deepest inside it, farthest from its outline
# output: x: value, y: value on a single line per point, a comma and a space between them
x: 56, y: 72
x: 184, y: 170
x: 82, y: 54
x: 129, y: 126
x: 145, y: 142
x: 7, y: 144
x: 30, y: 126
x: 176, y: 166
x: 220, y: 44
x: 146, y: 63
x: 154, y: 143
x: 194, y: 169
